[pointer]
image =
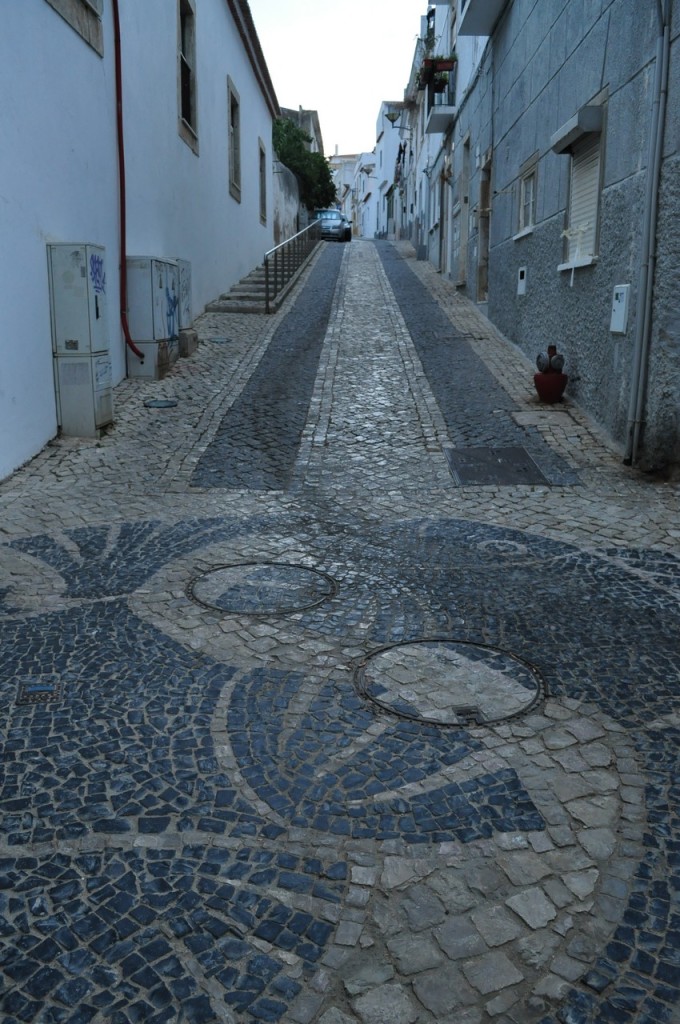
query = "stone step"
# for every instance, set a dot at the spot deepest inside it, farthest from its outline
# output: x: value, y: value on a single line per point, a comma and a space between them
x: 253, y: 302
x: 246, y: 296
x: 244, y: 292
x: 235, y: 306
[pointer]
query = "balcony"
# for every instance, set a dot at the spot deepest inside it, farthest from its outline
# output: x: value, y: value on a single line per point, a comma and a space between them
x: 480, y: 16
x: 441, y: 111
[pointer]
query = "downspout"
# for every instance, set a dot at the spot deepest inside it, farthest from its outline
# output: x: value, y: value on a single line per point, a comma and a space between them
x: 643, y: 326
x: 121, y: 184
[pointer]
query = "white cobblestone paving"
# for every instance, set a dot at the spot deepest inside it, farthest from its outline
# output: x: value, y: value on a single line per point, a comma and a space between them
x: 204, y: 763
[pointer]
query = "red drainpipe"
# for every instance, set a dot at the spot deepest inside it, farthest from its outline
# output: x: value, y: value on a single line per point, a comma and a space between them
x: 121, y: 184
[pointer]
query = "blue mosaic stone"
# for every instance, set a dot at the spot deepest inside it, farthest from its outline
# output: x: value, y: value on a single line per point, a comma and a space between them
x: 268, y: 1010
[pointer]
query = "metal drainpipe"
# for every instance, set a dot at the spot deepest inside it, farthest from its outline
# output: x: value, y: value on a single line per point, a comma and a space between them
x: 640, y: 370
x: 121, y: 184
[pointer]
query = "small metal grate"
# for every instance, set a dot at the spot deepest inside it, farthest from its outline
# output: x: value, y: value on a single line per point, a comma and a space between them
x: 39, y: 692
x: 486, y: 466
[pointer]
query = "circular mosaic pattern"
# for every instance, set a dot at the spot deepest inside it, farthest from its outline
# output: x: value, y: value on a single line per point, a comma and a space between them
x: 450, y: 682
x: 261, y: 588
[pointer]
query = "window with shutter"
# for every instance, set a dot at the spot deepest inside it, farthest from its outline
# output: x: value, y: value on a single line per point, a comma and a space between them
x: 584, y: 195
x: 85, y: 16
x: 581, y: 139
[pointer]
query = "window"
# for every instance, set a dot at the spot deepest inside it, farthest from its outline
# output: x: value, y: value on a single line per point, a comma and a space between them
x: 263, y: 182
x: 527, y: 210
x: 186, y: 59
x: 584, y: 196
x: 581, y: 139
x: 234, y: 128
x: 528, y: 181
x: 85, y: 16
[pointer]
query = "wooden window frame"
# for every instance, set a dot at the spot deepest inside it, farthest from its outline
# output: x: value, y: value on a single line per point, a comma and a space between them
x: 85, y: 18
x: 234, y: 134
x: 262, y: 156
x: 187, y: 92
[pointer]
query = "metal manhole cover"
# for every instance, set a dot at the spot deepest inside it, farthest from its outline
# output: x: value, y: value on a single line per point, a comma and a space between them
x: 39, y: 690
x: 450, y: 682
x: 261, y: 588
x: 500, y: 466
x: 160, y: 403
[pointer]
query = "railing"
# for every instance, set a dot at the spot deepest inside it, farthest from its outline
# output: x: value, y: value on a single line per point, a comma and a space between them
x: 283, y: 262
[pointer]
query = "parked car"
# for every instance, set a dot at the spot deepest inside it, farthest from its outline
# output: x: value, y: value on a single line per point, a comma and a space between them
x: 334, y: 224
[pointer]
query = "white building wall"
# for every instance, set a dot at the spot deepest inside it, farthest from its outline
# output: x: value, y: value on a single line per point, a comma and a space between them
x: 366, y: 195
x: 59, y: 175
x: 57, y: 184
x: 342, y: 169
x: 180, y: 204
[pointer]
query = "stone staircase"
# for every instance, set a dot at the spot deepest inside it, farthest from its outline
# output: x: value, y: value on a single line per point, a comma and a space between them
x: 247, y: 296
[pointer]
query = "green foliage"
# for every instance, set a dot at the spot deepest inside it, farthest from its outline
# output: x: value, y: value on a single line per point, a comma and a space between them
x: 312, y: 170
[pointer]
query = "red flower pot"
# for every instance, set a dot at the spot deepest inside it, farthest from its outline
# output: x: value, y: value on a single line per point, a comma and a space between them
x: 550, y: 386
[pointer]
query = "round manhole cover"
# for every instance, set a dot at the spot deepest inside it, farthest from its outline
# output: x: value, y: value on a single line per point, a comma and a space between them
x: 261, y: 588
x: 449, y: 682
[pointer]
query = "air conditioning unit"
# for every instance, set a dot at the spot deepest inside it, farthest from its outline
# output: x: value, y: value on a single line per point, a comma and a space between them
x: 80, y: 338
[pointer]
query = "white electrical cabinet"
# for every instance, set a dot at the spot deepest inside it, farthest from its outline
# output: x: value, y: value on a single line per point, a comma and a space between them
x: 619, y: 318
x: 185, y: 313
x: 153, y: 315
x: 80, y: 339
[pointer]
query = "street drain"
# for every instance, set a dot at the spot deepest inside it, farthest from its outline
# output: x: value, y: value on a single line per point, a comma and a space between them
x: 450, y: 682
x: 39, y: 691
x: 261, y: 588
x: 504, y: 467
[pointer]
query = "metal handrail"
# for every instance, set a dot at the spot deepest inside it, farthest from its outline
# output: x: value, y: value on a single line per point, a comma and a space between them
x: 283, y: 261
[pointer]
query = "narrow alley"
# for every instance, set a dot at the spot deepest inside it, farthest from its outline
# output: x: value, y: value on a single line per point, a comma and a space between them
x: 340, y: 686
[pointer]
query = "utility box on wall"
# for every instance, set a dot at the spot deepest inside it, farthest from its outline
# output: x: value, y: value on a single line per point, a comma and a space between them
x: 80, y: 340
x: 185, y: 312
x: 153, y: 315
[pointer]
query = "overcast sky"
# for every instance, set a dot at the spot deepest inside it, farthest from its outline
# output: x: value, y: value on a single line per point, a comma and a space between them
x: 340, y: 57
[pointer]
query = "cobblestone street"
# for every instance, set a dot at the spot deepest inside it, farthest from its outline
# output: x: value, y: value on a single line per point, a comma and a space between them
x: 342, y: 689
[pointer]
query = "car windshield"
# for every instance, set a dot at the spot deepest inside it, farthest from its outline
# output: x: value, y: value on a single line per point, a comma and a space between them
x: 328, y: 215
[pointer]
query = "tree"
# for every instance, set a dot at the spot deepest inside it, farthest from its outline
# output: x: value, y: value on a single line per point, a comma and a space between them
x: 312, y: 170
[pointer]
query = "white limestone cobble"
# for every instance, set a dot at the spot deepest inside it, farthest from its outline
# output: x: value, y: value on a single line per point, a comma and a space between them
x: 463, y: 933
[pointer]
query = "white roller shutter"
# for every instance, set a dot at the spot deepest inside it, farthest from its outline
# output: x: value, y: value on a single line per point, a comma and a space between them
x: 584, y: 198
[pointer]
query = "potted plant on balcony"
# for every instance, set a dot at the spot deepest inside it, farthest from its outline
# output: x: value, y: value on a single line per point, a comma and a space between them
x: 440, y: 81
x: 444, y: 63
x: 425, y: 73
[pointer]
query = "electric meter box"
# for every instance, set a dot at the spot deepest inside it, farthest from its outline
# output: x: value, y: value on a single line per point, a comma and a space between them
x: 153, y: 315
x: 185, y: 312
x: 84, y: 394
x: 80, y: 339
x: 78, y: 299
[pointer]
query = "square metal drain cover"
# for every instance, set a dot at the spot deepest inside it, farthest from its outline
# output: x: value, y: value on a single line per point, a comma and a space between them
x: 37, y: 692
x: 502, y: 466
